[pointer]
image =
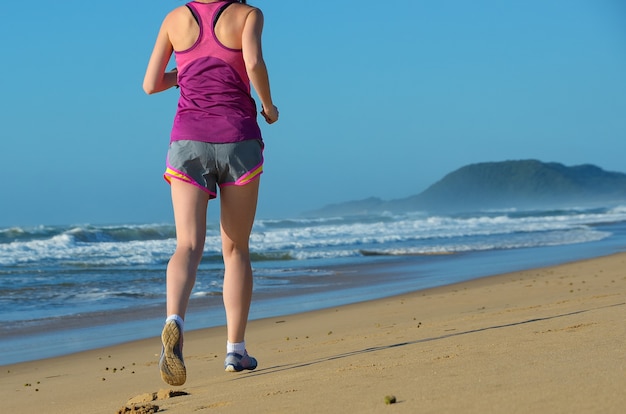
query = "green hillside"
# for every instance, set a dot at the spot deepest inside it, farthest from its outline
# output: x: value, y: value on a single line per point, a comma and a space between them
x: 507, y: 184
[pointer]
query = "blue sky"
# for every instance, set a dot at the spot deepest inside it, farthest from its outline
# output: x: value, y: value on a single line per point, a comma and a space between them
x: 376, y: 99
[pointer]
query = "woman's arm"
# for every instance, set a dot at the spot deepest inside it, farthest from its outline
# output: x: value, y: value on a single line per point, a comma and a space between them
x: 255, y: 65
x: 156, y: 78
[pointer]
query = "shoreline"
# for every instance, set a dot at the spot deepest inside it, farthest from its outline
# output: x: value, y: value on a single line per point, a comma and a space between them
x: 548, y: 339
x: 340, y: 284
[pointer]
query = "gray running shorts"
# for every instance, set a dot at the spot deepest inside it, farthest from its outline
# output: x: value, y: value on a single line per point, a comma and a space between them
x: 208, y: 165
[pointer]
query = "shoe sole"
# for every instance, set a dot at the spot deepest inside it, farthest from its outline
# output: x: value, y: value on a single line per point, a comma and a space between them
x: 231, y: 368
x: 172, y: 367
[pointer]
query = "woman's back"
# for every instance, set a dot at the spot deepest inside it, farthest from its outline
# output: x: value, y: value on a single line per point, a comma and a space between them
x: 184, y: 30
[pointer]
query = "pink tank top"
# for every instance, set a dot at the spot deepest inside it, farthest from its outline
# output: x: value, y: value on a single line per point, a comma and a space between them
x: 215, y: 104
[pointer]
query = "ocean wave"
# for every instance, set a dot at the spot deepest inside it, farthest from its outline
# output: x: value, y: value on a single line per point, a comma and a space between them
x: 90, y: 246
x: 125, y: 233
x: 420, y: 229
x: 618, y: 210
x: 552, y: 239
x: 14, y: 234
x: 65, y: 249
x: 90, y: 233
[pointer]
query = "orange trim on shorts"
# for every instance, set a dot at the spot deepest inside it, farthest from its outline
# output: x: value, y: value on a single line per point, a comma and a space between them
x: 171, y: 173
x: 250, y: 175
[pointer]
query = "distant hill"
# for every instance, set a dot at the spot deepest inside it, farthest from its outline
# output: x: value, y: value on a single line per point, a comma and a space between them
x: 507, y: 184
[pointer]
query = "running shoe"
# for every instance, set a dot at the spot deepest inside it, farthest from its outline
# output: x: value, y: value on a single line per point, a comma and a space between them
x: 171, y: 363
x: 235, y: 362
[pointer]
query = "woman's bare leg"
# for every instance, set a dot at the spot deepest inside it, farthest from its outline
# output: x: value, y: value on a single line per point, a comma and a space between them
x: 190, y: 205
x: 190, y: 208
x: 238, y: 208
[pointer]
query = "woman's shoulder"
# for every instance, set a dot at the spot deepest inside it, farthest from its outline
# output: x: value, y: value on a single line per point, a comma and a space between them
x: 177, y: 14
x: 238, y: 13
x: 244, y: 8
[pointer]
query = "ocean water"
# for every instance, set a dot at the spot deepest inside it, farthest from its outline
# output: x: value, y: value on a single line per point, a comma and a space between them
x: 68, y: 285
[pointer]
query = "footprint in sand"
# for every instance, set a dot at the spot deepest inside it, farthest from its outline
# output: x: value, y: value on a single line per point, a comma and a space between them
x: 142, y: 404
x: 139, y: 409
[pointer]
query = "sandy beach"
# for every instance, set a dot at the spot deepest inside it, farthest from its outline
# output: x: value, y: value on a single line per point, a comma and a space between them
x: 549, y: 340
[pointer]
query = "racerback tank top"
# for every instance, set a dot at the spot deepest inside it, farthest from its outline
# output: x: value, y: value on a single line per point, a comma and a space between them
x: 215, y: 104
